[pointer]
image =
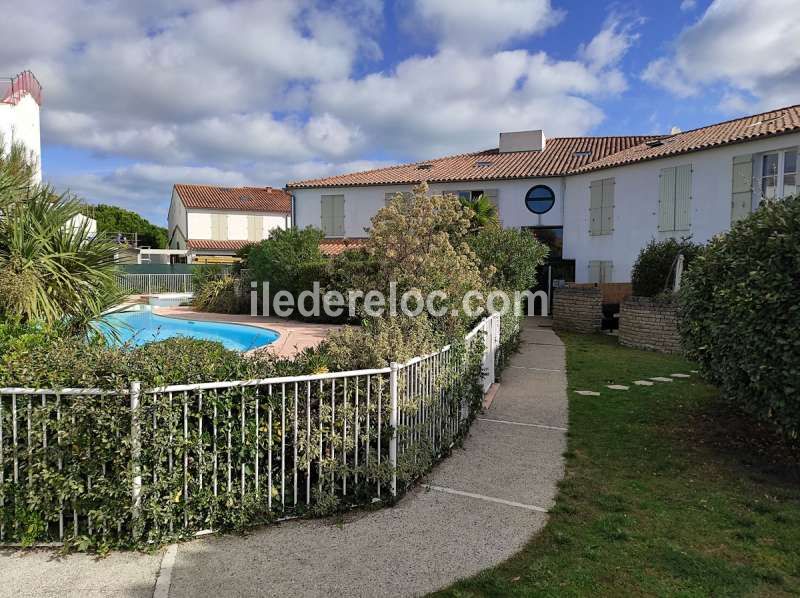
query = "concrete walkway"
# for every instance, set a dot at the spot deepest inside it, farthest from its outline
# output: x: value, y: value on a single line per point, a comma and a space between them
x: 476, y: 509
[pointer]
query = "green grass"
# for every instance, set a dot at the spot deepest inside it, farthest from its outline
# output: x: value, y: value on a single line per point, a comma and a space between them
x: 666, y: 493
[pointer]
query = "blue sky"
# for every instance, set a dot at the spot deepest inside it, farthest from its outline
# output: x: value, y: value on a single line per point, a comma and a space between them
x: 142, y: 95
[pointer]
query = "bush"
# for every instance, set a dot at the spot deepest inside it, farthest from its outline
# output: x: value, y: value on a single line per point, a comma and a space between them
x: 740, y: 314
x: 654, y: 270
x: 218, y: 295
x: 73, y: 362
x: 513, y: 256
x: 278, y: 259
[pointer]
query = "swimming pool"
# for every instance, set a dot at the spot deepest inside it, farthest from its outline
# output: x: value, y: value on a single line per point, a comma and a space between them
x: 142, y: 326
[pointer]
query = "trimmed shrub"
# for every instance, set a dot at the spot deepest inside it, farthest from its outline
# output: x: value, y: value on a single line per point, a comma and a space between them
x: 654, y: 270
x: 218, y: 295
x: 511, y: 255
x: 740, y: 314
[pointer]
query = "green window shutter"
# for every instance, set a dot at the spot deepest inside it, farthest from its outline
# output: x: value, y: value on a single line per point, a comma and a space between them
x: 606, y: 271
x: 338, y: 216
x: 255, y: 228
x: 326, y: 214
x: 607, y: 207
x: 666, y: 200
x: 683, y: 197
x: 219, y: 227
x: 388, y: 197
x: 492, y: 195
x: 596, y: 208
x: 742, y: 187
x: 594, y: 271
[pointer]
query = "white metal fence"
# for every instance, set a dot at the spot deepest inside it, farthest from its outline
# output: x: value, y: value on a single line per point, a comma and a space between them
x: 183, y: 457
x: 156, y: 283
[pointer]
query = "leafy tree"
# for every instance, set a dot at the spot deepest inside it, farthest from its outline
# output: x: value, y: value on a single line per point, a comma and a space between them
x: 286, y: 259
x: 113, y: 220
x: 512, y: 253
x: 654, y: 270
x: 53, y: 271
x: 483, y: 213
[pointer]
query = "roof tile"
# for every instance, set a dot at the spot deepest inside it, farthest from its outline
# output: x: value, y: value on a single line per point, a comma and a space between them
x: 236, y: 199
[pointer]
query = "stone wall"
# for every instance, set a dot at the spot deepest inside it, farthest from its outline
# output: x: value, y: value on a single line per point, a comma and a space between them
x: 612, y: 292
x: 646, y: 324
x: 577, y: 309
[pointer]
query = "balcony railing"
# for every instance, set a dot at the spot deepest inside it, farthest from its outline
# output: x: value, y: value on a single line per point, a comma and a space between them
x: 13, y: 89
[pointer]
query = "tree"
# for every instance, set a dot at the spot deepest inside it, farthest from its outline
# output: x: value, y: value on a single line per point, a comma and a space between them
x: 53, y: 272
x: 483, y: 213
x: 113, y: 220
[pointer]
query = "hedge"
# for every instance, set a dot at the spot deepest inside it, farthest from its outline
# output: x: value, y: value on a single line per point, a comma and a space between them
x: 653, y: 272
x: 740, y: 314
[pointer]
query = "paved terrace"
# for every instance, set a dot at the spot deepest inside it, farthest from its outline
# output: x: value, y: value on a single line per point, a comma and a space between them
x: 476, y: 509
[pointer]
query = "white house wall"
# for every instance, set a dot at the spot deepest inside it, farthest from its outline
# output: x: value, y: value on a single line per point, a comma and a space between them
x: 177, y: 220
x: 636, y: 197
x: 362, y: 203
x: 19, y: 123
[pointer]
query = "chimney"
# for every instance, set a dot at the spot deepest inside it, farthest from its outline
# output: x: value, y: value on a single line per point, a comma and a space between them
x: 522, y: 141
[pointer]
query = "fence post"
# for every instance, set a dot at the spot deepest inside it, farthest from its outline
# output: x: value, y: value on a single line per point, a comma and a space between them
x: 136, y: 450
x: 393, y: 417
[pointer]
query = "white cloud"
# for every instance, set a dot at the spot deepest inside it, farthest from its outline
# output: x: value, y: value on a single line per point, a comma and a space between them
x: 688, y: 5
x: 485, y: 24
x: 608, y: 47
x: 268, y: 91
x: 744, y: 45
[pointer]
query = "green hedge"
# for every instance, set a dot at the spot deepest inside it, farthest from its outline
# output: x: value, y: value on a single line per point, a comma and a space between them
x: 740, y: 314
x: 654, y: 270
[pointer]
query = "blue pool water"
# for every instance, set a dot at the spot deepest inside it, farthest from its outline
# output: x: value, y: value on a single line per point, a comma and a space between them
x: 141, y: 327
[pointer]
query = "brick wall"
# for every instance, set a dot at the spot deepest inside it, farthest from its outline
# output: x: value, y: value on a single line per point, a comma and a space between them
x: 578, y: 309
x: 646, y: 324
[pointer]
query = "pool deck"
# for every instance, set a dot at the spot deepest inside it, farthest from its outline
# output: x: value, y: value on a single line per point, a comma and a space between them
x: 295, y: 336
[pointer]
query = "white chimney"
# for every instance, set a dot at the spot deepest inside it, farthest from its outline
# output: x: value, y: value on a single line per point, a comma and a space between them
x: 522, y: 141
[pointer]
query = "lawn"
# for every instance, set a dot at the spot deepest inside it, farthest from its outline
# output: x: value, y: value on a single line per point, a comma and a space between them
x: 666, y: 493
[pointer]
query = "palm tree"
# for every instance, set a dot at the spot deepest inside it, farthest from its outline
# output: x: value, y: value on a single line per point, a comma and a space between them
x: 53, y: 270
x: 484, y: 212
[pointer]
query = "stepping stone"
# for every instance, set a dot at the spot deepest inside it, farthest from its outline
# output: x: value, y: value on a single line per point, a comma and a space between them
x: 680, y: 375
x: 694, y: 371
x: 661, y: 379
x: 643, y: 382
x: 617, y: 387
x: 588, y: 393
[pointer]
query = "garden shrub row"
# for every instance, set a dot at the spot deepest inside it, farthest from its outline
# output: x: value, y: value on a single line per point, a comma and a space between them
x: 740, y: 314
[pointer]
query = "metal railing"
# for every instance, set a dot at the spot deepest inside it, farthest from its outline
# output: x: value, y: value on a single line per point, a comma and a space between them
x: 13, y: 89
x: 196, y: 449
x: 148, y: 284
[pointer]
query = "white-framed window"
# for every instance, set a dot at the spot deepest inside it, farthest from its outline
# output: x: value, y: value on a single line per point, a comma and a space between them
x: 332, y: 215
x: 778, y: 174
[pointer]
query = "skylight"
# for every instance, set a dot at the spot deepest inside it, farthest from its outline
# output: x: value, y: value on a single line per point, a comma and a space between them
x: 424, y: 166
x: 483, y: 163
x: 583, y: 153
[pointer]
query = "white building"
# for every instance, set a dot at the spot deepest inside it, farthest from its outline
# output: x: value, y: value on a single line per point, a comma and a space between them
x: 213, y: 223
x: 595, y: 200
x: 20, y: 99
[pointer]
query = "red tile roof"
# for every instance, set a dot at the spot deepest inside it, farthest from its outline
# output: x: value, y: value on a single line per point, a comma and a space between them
x: 749, y: 128
x: 569, y: 155
x: 209, y: 245
x: 236, y: 199
x: 561, y: 155
x: 331, y: 247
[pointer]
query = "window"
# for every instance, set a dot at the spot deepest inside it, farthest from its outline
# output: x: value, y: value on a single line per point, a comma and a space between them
x: 778, y: 174
x: 675, y: 198
x: 552, y: 236
x: 601, y: 207
x: 540, y: 199
x: 601, y: 271
x: 471, y: 195
x: 332, y: 212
